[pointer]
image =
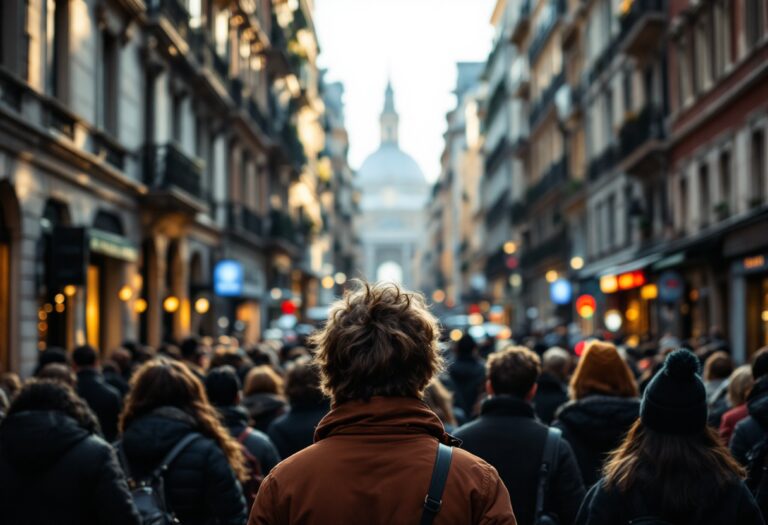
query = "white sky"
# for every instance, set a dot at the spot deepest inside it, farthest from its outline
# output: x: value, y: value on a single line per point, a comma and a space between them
x: 418, y: 42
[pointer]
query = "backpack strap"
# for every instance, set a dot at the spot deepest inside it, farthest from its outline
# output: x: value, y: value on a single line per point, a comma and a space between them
x: 173, y: 454
x: 244, y: 435
x: 548, y: 461
x: 434, y: 499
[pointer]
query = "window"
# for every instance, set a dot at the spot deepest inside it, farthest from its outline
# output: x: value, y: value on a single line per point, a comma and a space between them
x: 683, y: 203
x: 56, y: 47
x: 754, y: 22
x: 608, y: 118
x: 684, y: 85
x: 110, y: 56
x: 704, y: 62
x: 704, y: 196
x: 176, y: 118
x: 611, y: 220
x: 757, y: 167
x: 724, y: 164
x: 627, y: 88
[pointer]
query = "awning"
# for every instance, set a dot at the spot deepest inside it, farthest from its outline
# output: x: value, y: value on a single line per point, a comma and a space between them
x: 637, y: 264
x: 112, y: 245
x: 669, y: 262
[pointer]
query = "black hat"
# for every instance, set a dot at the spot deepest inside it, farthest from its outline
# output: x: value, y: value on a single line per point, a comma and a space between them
x: 675, y: 401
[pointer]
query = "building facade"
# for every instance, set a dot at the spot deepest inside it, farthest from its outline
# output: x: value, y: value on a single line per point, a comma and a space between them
x: 142, y: 144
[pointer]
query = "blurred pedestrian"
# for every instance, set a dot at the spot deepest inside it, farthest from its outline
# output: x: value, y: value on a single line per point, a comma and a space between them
x: 468, y: 374
x: 194, y: 355
x: 739, y: 385
x: 223, y: 388
x: 112, y: 370
x: 167, y: 403
x: 717, y: 368
x: 507, y: 435
x: 51, y: 354
x: 374, y: 453
x: 105, y: 401
x: 10, y: 384
x: 552, y: 390
x: 59, y: 372
x: 54, y: 468
x: 672, y: 468
x: 295, y: 430
x: 264, y: 396
x: 751, y: 431
x: 603, y: 406
x: 440, y: 400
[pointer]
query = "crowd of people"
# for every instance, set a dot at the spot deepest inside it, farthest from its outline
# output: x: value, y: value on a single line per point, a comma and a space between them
x: 375, y: 420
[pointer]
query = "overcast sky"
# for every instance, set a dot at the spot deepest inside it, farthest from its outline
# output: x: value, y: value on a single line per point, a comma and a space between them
x: 418, y: 43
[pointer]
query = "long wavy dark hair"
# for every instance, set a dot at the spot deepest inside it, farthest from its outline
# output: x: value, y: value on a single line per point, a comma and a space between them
x: 164, y: 383
x: 672, y: 466
x: 52, y: 395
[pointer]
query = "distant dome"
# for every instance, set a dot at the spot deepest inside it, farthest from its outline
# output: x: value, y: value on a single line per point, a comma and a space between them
x: 391, y: 166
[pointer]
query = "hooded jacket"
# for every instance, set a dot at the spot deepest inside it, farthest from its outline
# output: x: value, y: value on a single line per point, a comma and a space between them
x: 507, y: 436
x: 200, y: 486
x: 752, y: 430
x: 372, y: 463
x: 594, y: 426
x: 264, y: 408
x: 53, y: 471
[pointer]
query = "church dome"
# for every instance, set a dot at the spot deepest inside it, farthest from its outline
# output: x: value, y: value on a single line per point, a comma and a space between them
x: 392, y: 166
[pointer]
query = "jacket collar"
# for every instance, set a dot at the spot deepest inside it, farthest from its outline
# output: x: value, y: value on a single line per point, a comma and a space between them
x: 383, y: 416
x: 506, y: 405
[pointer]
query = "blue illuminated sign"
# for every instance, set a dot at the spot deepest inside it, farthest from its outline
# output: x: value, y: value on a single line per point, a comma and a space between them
x: 561, y: 291
x: 228, y: 278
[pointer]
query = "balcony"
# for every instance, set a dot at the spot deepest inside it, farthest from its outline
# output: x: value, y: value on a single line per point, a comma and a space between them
x: 277, y: 57
x: 282, y: 228
x: 167, y: 169
x: 602, y: 62
x: 545, y: 101
x: 107, y: 148
x: 11, y: 90
x: 293, y: 148
x: 555, y: 176
x: 495, y: 157
x: 641, y: 138
x: 206, y: 54
x: 520, y: 77
x: 643, y: 24
x: 245, y: 220
x: 603, y: 163
x: 496, y: 212
x: 174, y: 11
x: 496, y: 103
x: 555, y: 247
x: 544, y: 30
x: 521, y: 24
x: 258, y: 117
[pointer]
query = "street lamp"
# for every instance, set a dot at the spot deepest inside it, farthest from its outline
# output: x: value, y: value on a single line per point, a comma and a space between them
x: 202, y: 305
x: 171, y: 304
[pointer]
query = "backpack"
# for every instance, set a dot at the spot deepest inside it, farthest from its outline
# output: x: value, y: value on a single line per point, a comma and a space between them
x: 757, y: 480
x: 548, y: 461
x: 148, y: 494
x: 256, y: 475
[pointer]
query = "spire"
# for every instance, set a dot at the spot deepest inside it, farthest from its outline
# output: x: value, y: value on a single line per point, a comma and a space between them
x: 389, y: 119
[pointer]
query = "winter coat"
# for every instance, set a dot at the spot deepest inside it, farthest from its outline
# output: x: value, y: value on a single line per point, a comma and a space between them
x: 752, y: 430
x: 594, y: 426
x: 104, y: 400
x: 117, y: 382
x: 295, y: 430
x: 53, y: 471
x: 468, y: 374
x: 257, y: 443
x: 372, y: 463
x: 550, y: 395
x: 729, y: 506
x: 507, y: 436
x: 729, y: 421
x: 264, y: 408
x: 200, y: 486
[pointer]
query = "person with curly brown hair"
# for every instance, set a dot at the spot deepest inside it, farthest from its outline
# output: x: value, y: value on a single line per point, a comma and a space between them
x: 167, y: 403
x: 375, y: 452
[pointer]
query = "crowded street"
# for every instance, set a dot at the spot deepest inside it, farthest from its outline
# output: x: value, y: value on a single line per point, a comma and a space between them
x: 493, y: 262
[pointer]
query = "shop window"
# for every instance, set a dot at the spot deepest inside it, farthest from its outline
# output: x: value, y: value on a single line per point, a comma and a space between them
x: 757, y: 167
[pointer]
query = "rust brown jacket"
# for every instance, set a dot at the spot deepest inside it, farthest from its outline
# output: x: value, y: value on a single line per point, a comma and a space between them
x: 371, y: 464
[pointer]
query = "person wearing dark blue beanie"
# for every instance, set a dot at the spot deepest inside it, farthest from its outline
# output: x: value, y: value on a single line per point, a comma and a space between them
x: 672, y: 467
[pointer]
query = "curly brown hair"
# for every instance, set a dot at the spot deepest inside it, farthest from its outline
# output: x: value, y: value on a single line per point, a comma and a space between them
x: 379, y: 341
x: 513, y: 371
x: 161, y: 383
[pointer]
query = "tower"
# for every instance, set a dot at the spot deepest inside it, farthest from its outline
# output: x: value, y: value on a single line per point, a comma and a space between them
x: 389, y: 119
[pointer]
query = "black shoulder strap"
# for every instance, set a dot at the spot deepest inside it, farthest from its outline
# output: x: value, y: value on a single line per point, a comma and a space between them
x: 548, y: 460
x: 434, y: 499
x: 175, y: 451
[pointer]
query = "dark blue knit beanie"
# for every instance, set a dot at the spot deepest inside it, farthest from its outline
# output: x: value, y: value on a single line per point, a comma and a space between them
x: 675, y: 401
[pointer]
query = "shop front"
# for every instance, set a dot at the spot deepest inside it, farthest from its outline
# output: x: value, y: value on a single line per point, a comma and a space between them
x: 9, y: 228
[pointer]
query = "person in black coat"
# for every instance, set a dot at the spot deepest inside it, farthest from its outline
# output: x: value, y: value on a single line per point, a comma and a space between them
x: 752, y: 430
x: 223, y: 387
x: 508, y: 436
x: 54, y: 467
x: 104, y: 400
x: 263, y: 396
x: 672, y: 468
x: 604, y: 405
x: 467, y: 372
x: 295, y: 430
x: 167, y: 403
x: 552, y: 391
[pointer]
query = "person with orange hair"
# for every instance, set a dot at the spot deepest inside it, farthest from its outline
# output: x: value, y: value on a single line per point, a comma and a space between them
x: 604, y: 404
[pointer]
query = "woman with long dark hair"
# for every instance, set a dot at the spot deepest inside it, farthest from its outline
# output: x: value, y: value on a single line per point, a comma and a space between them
x: 166, y: 403
x: 55, y: 467
x: 672, y: 468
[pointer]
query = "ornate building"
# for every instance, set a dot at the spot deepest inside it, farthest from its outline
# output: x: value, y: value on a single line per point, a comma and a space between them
x: 394, y: 193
